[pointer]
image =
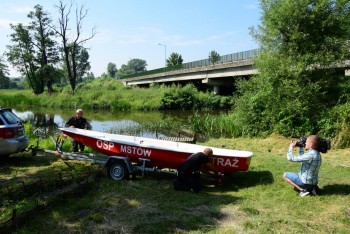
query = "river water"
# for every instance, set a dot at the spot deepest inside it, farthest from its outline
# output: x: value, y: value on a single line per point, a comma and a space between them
x: 142, y: 123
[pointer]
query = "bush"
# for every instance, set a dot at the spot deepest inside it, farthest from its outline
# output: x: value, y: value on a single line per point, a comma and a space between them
x: 178, y: 97
x: 120, y: 105
x: 211, y: 101
x: 335, y: 124
x: 188, y: 97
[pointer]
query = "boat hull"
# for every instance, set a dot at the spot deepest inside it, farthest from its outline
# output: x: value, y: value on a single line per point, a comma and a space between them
x: 158, y: 153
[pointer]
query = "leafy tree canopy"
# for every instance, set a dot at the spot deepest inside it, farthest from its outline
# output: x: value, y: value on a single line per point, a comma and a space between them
x: 174, y: 59
x: 214, y: 57
x: 134, y: 66
x: 34, y: 49
x: 300, y: 42
x: 112, y: 69
x: 4, y: 80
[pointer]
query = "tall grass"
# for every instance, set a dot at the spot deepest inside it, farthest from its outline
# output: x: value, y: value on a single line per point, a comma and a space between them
x: 209, y: 125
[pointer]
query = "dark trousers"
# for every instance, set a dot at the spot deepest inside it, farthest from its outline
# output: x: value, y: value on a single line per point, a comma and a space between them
x: 77, y: 145
x: 187, y: 181
x: 313, y: 189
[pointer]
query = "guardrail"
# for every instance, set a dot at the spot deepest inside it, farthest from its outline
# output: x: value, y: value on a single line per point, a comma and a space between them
x: 244, y: 55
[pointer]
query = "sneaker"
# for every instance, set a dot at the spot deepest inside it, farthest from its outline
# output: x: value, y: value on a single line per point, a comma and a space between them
x: 303, y: 193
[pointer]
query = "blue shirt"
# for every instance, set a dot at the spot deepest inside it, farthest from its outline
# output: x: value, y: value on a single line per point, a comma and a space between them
x: 310, y: 164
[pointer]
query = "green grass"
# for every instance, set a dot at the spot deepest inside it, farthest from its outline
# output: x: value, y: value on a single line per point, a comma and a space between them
x: 111, y: 94
x: 100, y: 94
x: 256, y: 201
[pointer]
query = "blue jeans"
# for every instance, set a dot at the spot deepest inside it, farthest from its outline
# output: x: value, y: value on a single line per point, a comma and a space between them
x: 294, y: 177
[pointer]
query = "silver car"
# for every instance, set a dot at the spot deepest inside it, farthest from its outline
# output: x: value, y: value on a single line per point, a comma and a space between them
x: 12, y: 138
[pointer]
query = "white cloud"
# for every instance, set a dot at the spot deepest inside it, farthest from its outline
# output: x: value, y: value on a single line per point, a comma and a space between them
x: 252, y: 5
x: 204, y: 40
x: 191, y: 42
x: 151, y: 30
x: 21, y: 9
x: 103, y: 36
x: 135, y: 36
x: 131, y: 39
x: 5, y: 23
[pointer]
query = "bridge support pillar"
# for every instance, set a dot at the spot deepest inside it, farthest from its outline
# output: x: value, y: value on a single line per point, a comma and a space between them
x: 347, y: 72
x: 216, y: 89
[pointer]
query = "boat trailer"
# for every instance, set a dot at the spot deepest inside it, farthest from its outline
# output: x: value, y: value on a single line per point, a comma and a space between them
x: 118, y: 167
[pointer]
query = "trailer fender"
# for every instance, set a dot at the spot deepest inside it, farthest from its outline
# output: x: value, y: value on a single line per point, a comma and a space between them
x: 119, y: 167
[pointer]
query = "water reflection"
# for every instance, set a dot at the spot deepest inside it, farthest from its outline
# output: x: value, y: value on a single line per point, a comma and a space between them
x: 45, y: 122
x: 139, y: 123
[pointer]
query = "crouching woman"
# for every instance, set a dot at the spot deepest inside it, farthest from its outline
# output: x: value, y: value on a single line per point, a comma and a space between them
x: 307, y: 179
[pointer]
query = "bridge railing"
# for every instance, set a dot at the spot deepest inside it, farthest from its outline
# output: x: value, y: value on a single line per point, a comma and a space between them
x: 244, y: 55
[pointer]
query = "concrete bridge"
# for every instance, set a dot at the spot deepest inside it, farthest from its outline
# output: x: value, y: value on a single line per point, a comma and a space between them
x: 220, y: 76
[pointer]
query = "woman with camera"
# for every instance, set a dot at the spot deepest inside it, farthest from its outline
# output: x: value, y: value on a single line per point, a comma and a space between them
x: 306, y: 180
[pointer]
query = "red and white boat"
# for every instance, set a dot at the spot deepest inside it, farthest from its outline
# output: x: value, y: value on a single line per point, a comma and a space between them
x: 155, y: 153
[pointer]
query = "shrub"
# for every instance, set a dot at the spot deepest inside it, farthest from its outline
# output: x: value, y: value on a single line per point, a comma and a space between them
x: 335, y: 124
x: 211, y: 101
x: 178, y: 97
x: 120, y: 105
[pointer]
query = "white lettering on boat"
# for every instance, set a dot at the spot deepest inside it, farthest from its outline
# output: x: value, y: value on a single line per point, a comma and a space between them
x: 106, y: 145
x: 135, y: 150
x: 231, y: 162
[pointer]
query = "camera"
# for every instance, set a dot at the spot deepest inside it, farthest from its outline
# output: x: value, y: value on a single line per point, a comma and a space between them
x: 323, y: 145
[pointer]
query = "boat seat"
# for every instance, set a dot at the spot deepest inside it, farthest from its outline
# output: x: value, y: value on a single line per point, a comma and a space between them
x: 179, y: 139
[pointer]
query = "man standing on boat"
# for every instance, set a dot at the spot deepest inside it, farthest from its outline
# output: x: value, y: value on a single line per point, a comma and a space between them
x: 189, y: 171
x: 78, y: 121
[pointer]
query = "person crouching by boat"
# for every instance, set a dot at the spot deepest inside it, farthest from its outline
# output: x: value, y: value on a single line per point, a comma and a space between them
x: 306, y: 181
x: 78, y: 121
x: 188, y: 173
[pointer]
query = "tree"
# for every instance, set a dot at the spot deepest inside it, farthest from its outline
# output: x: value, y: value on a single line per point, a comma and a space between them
x: 137, y: 65
x: 46, y: 47
x: 300, y: 44
x: 174, y: 59
x: 22, y: 56
x: 112, y: 69
x: 4, y: 80
x: 124, y: 70
x: 71, y: 46
x: 83, y: 64
x: 214, y: 57
x: 134, y: 66
x: 34, y: 52
x: 49, y: 75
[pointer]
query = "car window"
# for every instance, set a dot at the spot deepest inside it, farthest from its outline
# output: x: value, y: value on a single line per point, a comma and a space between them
x: 1, y: 122
x: 10, y: 118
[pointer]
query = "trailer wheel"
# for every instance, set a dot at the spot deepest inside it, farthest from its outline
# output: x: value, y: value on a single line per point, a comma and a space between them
x: 117, y: 171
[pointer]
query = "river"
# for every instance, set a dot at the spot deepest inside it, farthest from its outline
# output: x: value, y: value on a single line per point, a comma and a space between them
x: 141, y: 123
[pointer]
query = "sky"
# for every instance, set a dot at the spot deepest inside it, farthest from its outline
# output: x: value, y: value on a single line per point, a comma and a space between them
x: 127, y: 29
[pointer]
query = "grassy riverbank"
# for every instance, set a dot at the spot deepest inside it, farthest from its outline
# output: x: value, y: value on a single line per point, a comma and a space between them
x: 111, y: 94
x: 256, y: 201
x: 97, y: 95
